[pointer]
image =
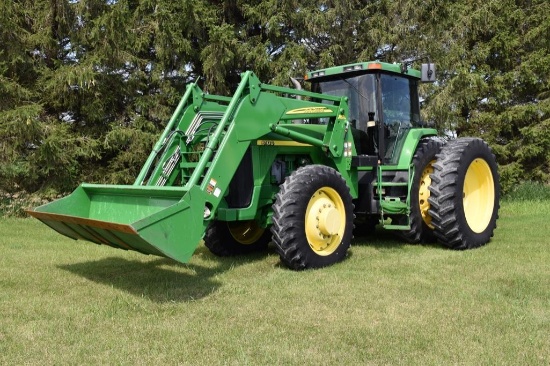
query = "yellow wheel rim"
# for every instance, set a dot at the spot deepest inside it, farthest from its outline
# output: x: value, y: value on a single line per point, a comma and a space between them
x: 424, y: 193
x: 325, y: 221
x: 245, y: 232
x: 479, y: 195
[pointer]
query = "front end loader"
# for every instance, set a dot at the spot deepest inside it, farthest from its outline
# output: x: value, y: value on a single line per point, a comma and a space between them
x: 298, y: 168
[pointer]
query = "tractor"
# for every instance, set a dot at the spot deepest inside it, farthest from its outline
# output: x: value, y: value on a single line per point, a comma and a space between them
x: 303, y: 169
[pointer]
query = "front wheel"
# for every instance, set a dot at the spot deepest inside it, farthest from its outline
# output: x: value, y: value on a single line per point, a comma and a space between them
x: 312, y: 218
x: 465, y: 194
x: 230, y: 238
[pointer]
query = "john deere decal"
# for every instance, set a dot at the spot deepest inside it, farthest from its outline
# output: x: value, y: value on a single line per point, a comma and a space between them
x: 310, y: 110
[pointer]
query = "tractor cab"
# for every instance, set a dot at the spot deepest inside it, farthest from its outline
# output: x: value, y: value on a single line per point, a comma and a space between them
x: 383, y: 104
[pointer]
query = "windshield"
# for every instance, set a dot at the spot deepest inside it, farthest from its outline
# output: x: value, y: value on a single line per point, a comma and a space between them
x: 360, y: 91
x: 400, y: 100
x: 401, y: 112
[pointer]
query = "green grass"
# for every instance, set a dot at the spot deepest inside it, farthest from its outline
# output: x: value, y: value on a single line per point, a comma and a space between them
x: 67, y: 302
x: 529, y: 191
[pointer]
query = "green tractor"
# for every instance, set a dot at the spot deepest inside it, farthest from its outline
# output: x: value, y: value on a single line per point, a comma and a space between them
x: 303, y: 169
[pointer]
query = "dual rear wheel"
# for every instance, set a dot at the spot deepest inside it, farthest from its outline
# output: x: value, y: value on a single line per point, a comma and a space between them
x: 464, y: 194
x: 455, y: 193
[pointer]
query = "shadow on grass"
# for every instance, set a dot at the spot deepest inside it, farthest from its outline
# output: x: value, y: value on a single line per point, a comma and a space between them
x: 387, y: 239
x: 164, y: 280
x: 160, y: 280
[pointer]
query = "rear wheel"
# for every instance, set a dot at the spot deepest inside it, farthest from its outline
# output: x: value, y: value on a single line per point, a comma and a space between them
x: 236, y: 237
x: 420, y: 219
x: 465, y: 194
x: 312, y: 218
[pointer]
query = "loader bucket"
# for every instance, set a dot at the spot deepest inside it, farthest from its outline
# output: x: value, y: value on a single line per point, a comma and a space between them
x: 150, y: 220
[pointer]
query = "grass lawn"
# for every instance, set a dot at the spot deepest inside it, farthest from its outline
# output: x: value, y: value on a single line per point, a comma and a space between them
x: 71, y: 302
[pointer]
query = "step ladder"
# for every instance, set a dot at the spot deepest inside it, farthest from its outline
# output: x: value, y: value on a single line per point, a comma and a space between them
x: 395, y: 205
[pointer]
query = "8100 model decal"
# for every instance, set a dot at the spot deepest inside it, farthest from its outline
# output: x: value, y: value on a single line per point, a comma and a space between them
x: 279, y: 143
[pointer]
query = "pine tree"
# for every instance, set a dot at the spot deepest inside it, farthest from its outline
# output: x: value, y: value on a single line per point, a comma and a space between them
x: 495, y: 84
x: 87, y: 85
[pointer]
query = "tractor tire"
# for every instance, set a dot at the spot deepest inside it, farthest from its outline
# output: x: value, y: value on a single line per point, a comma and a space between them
x: 465, y: 194
x: 312, y: 218
x: 421, y: 230
x: 226, y: 239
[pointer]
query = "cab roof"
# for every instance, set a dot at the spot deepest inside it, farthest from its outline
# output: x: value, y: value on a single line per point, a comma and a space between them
x: 360, y: 67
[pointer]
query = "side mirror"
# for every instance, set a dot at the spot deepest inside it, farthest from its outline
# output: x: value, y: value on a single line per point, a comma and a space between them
x: 428, y: 73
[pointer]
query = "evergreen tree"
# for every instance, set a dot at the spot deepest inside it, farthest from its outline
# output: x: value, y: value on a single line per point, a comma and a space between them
x: 495, y: 84
x: 87, y: 85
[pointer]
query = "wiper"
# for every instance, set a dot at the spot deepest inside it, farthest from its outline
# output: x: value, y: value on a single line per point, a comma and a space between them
x: 354, y: 88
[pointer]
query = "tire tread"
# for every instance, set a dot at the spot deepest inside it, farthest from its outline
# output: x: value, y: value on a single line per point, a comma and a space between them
x: 451, y: 228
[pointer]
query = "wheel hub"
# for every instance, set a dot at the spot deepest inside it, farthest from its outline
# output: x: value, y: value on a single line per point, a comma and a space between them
x: 478, y: 195
x: 329, y: 220
x: 325, y: 221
